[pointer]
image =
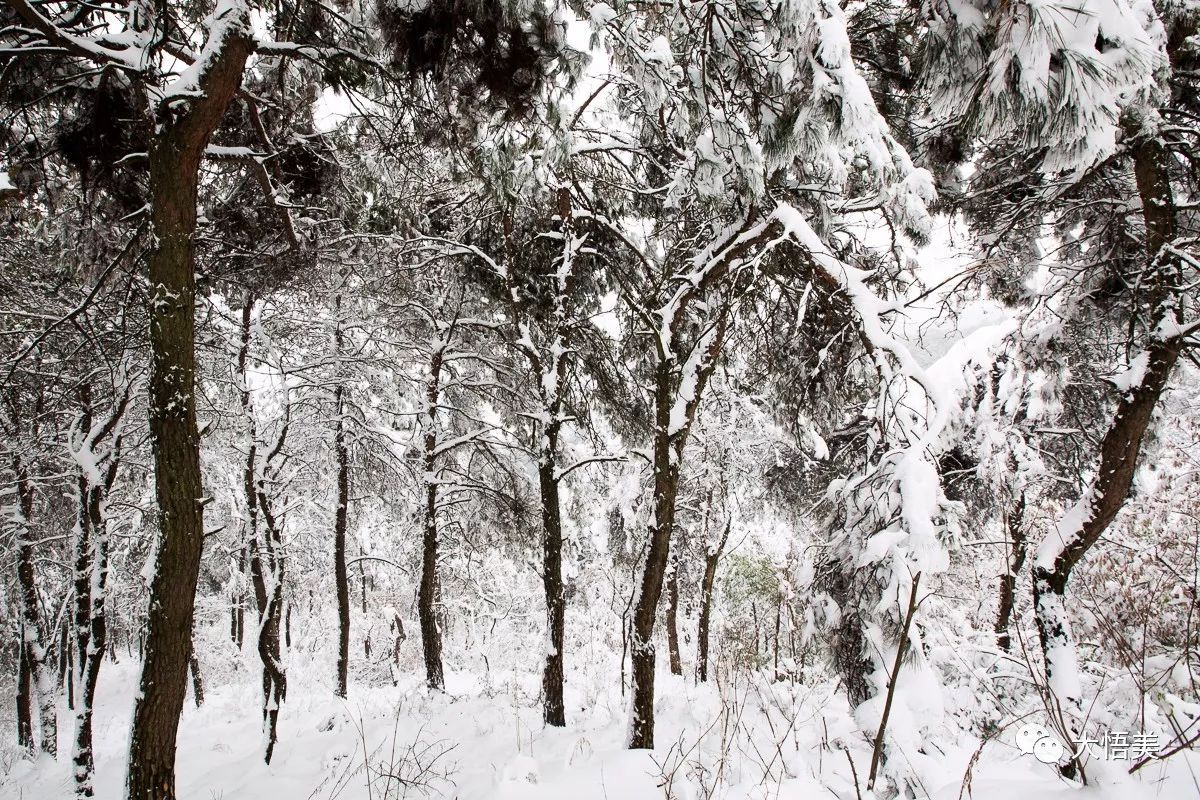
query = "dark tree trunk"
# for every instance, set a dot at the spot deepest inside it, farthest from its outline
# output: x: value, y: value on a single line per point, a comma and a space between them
x: 668, y: 460
x: 554, y: 710
x: 197, y: 679
x: 778, y: 622
x: 174, y: 156
x: 666, y: 486
x: 711, y: 558
x: 93, y: 645
x: 427, y: 593
x: 673, y: 620
x: 237, y: 606
x: 24, y: 697
x: 1120, y: 448
x: 340, y: 522
x: 1015, y: 527
x: 266, y: 563
x: 197, y: 676
x: 35, y: 690
x: 263, y: 548
x: 81, y: 554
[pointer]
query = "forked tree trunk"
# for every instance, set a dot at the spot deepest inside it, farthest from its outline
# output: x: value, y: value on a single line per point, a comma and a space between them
x: 263, y: 547
x: 670, y: 438
x: 91, y: 580
x: 703, y: 633
x: 649, y: 590
x: 1120, y: 448
x: 175, y: 152
x: 554, y: 710
x: 1014, y: 525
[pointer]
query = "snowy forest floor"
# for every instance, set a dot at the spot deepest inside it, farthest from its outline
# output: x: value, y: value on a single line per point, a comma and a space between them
x: 484, y: 739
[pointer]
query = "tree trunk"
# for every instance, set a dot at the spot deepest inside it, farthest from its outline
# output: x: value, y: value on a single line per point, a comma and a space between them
x: 649, y: 590
x: 81, y: 555
x: 670, y: 438
x: 25, y: 702
x: 197, y: 679
x: 266, y: 565
x: 711, y: 558
x: 673, y: 620
x: 174, y: 156
x: 340, y: 520
x: 266, y: 573
x: 237, y: 609
x: 93, y: 604
x: 554, y: 710
x: 1014, y: 525
x: 427, y: 593
x: 1082, y: 526
x: 36, y: 690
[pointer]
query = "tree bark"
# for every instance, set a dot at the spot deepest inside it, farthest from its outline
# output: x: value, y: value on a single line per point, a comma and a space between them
x: 1120, y: 448
x: 197, y: 679
x: 554, y: 710
x: 91, y: 579
x: 666, y: 487
x: 25, y: 701
x: 266, y: 571
x: 340, y: 520
x: 711, y: 558
x: 174, y: 156
x: 36, y: 690
x: 427, y: 593
x: 1015, y: 561
x: 672, y: 620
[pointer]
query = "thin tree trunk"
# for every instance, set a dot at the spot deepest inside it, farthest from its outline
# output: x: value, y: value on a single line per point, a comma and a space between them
x: 92, y: 602
x: 877, y: 749
x: 174, y: 157
x: 240, y: 610
x: 197, y: 677
x: 778, y: 622
x: 81, y: 554
x: 672, y: 620
x: 266, y: 574
x: 1120, y: 449
x: 554, y: 709
x: 197, y: 680
x: 427, y: 593
x: 711, y: 559
x: 37, y: 689
x: 1014, y: 525
x: 25, y: 701
x: 340, y: 523
x: 266, y: 565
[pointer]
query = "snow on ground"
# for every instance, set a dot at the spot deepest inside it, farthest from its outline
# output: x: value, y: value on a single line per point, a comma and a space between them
x: 484, y: 739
